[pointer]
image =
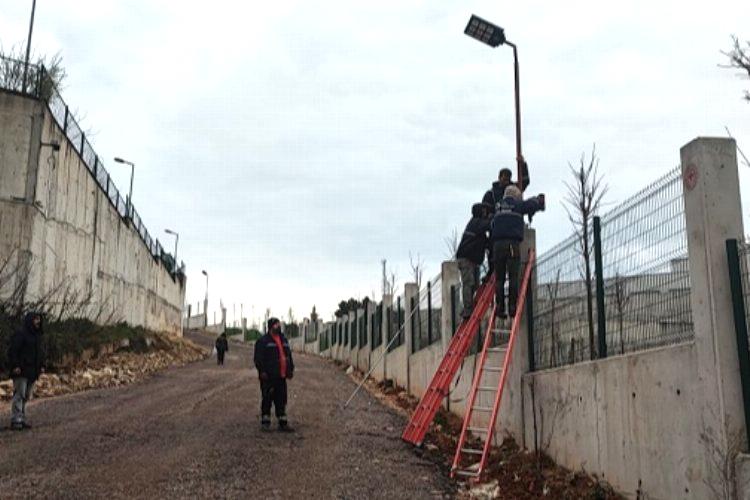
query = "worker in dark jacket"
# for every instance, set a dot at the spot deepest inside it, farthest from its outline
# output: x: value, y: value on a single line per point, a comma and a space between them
x: 222, y: 346
x: 494, y: 195
x: 26, y: 359
x: 474, y: 245
x: 273, y: 360
x: 507, y: 235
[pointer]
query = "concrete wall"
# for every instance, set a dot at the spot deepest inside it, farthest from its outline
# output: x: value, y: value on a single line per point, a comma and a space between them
x: 629, y: 419
x: 59, y: 226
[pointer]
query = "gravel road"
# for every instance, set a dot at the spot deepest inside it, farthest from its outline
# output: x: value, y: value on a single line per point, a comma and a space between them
x: 193, y: 432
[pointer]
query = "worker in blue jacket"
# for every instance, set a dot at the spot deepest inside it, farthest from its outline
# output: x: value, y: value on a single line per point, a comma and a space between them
x: 506, y: 235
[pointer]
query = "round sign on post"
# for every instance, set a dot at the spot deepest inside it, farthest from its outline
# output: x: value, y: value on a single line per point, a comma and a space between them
x: 690, y: 177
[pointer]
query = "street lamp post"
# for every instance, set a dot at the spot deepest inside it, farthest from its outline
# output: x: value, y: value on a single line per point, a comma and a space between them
x: 28, y: 47
x: 176, y: 239
x: 130, y: 194
x: 205, y: 301
x: 493, y: 35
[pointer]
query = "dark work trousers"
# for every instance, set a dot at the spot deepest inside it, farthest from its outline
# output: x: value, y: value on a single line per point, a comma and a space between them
x: 220, y: 357
x: 469, y: 279
x: 506, y: 254
x: 273, y: 391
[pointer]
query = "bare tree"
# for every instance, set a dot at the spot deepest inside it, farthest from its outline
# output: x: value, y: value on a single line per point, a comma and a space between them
x: 451, y: 244
x: 417, y: 269
x: 621, y: 303
x: 739, y: 58
x: 583, y: 199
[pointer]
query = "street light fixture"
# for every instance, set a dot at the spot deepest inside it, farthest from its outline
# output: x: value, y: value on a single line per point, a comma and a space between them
x: 130, y: 195
x: 176, y: 239
x: 494, y: 36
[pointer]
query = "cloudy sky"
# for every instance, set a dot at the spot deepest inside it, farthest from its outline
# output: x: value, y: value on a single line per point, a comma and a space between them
x: 296, y: 144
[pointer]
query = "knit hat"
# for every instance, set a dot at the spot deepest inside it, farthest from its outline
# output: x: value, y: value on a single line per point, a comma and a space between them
x: 512, y: 191
x: 272, y: 322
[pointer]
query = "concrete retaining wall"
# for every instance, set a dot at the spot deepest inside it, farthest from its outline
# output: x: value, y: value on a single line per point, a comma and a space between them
x: 60, y: 229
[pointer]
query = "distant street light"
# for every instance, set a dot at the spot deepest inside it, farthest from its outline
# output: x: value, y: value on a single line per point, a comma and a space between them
x: 130, y: 194
x: 493, y: 35
x: 176, y: 239
x: 28, y: 47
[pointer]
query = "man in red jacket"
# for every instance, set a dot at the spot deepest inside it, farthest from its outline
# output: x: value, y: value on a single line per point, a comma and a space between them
x: 273, y: 360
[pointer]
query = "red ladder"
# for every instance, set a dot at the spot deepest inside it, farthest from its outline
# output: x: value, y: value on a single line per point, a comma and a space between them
x: 474, y: 471
x: 439, y: 386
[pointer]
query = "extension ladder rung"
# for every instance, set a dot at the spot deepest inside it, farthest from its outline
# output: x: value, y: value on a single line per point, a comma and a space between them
x: 472, y: 451
x: 476, y: 429
x: 467, y: 473
x: 500, y: 330
x: 487, y: 388
x: 481, y: 408
x: 496, y: 349
x: 492, y: 369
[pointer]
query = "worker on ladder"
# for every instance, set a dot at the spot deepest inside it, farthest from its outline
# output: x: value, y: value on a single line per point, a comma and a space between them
x: 471, y: 252
x: 506, y: 235
x: 494, y: 195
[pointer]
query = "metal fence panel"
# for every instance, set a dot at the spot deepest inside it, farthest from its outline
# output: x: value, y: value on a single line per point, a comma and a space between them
x: 646, y: 281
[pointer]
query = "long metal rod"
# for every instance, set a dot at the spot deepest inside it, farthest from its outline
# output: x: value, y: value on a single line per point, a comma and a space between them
x: 385, y: 351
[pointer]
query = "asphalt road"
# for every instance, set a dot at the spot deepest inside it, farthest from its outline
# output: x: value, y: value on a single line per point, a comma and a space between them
x: 194, y: 432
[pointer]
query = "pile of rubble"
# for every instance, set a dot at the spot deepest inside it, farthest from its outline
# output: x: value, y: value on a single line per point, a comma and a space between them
x: 112, y: 369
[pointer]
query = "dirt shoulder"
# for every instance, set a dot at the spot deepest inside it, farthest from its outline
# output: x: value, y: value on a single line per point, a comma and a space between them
x: 193, y: 432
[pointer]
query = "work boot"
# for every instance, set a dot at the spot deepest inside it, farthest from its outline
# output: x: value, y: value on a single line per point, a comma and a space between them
x: 265, y: 423
x: 26, y: 425
x: 16, y: 426
x: 285, y: 428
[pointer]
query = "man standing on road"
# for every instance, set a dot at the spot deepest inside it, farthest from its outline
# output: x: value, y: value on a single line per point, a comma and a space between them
x: 222, y: 346
x: 273, y: 359
x: 26, y: 359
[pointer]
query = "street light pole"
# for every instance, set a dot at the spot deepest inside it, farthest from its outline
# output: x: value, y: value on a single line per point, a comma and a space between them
x: 130, y: 194
x: 494, y: 36
x: 519, y: 154
x: 176, y: 239
x: 28, y: 47
x: 205, y: 301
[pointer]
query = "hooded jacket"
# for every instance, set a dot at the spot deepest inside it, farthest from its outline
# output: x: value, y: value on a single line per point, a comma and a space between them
x: 508, y: 221
x: 474, y: 241
x: 221, y: 344
x: 266, y: 356
x: 26, y: 350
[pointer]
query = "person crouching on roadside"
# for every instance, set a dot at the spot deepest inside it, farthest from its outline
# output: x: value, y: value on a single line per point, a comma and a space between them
x: 273, y: 360
x: 26, y: 359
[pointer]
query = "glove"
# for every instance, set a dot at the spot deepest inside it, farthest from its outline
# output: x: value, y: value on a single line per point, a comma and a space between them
x: 290, y: 376
x: 542, y: 202
x: 263, y: 376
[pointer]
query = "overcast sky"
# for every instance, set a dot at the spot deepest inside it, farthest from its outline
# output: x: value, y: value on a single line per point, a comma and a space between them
x: 294, y: 145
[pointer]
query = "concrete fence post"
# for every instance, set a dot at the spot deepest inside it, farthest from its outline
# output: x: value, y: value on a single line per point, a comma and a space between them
x: 511, y: 417
x: 712, y: 215
x: 386, y: 328
x: 450, y: 278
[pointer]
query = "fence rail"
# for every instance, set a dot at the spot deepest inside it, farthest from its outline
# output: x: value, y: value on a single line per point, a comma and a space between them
x: 40, y: 84
x: 646, y: 285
